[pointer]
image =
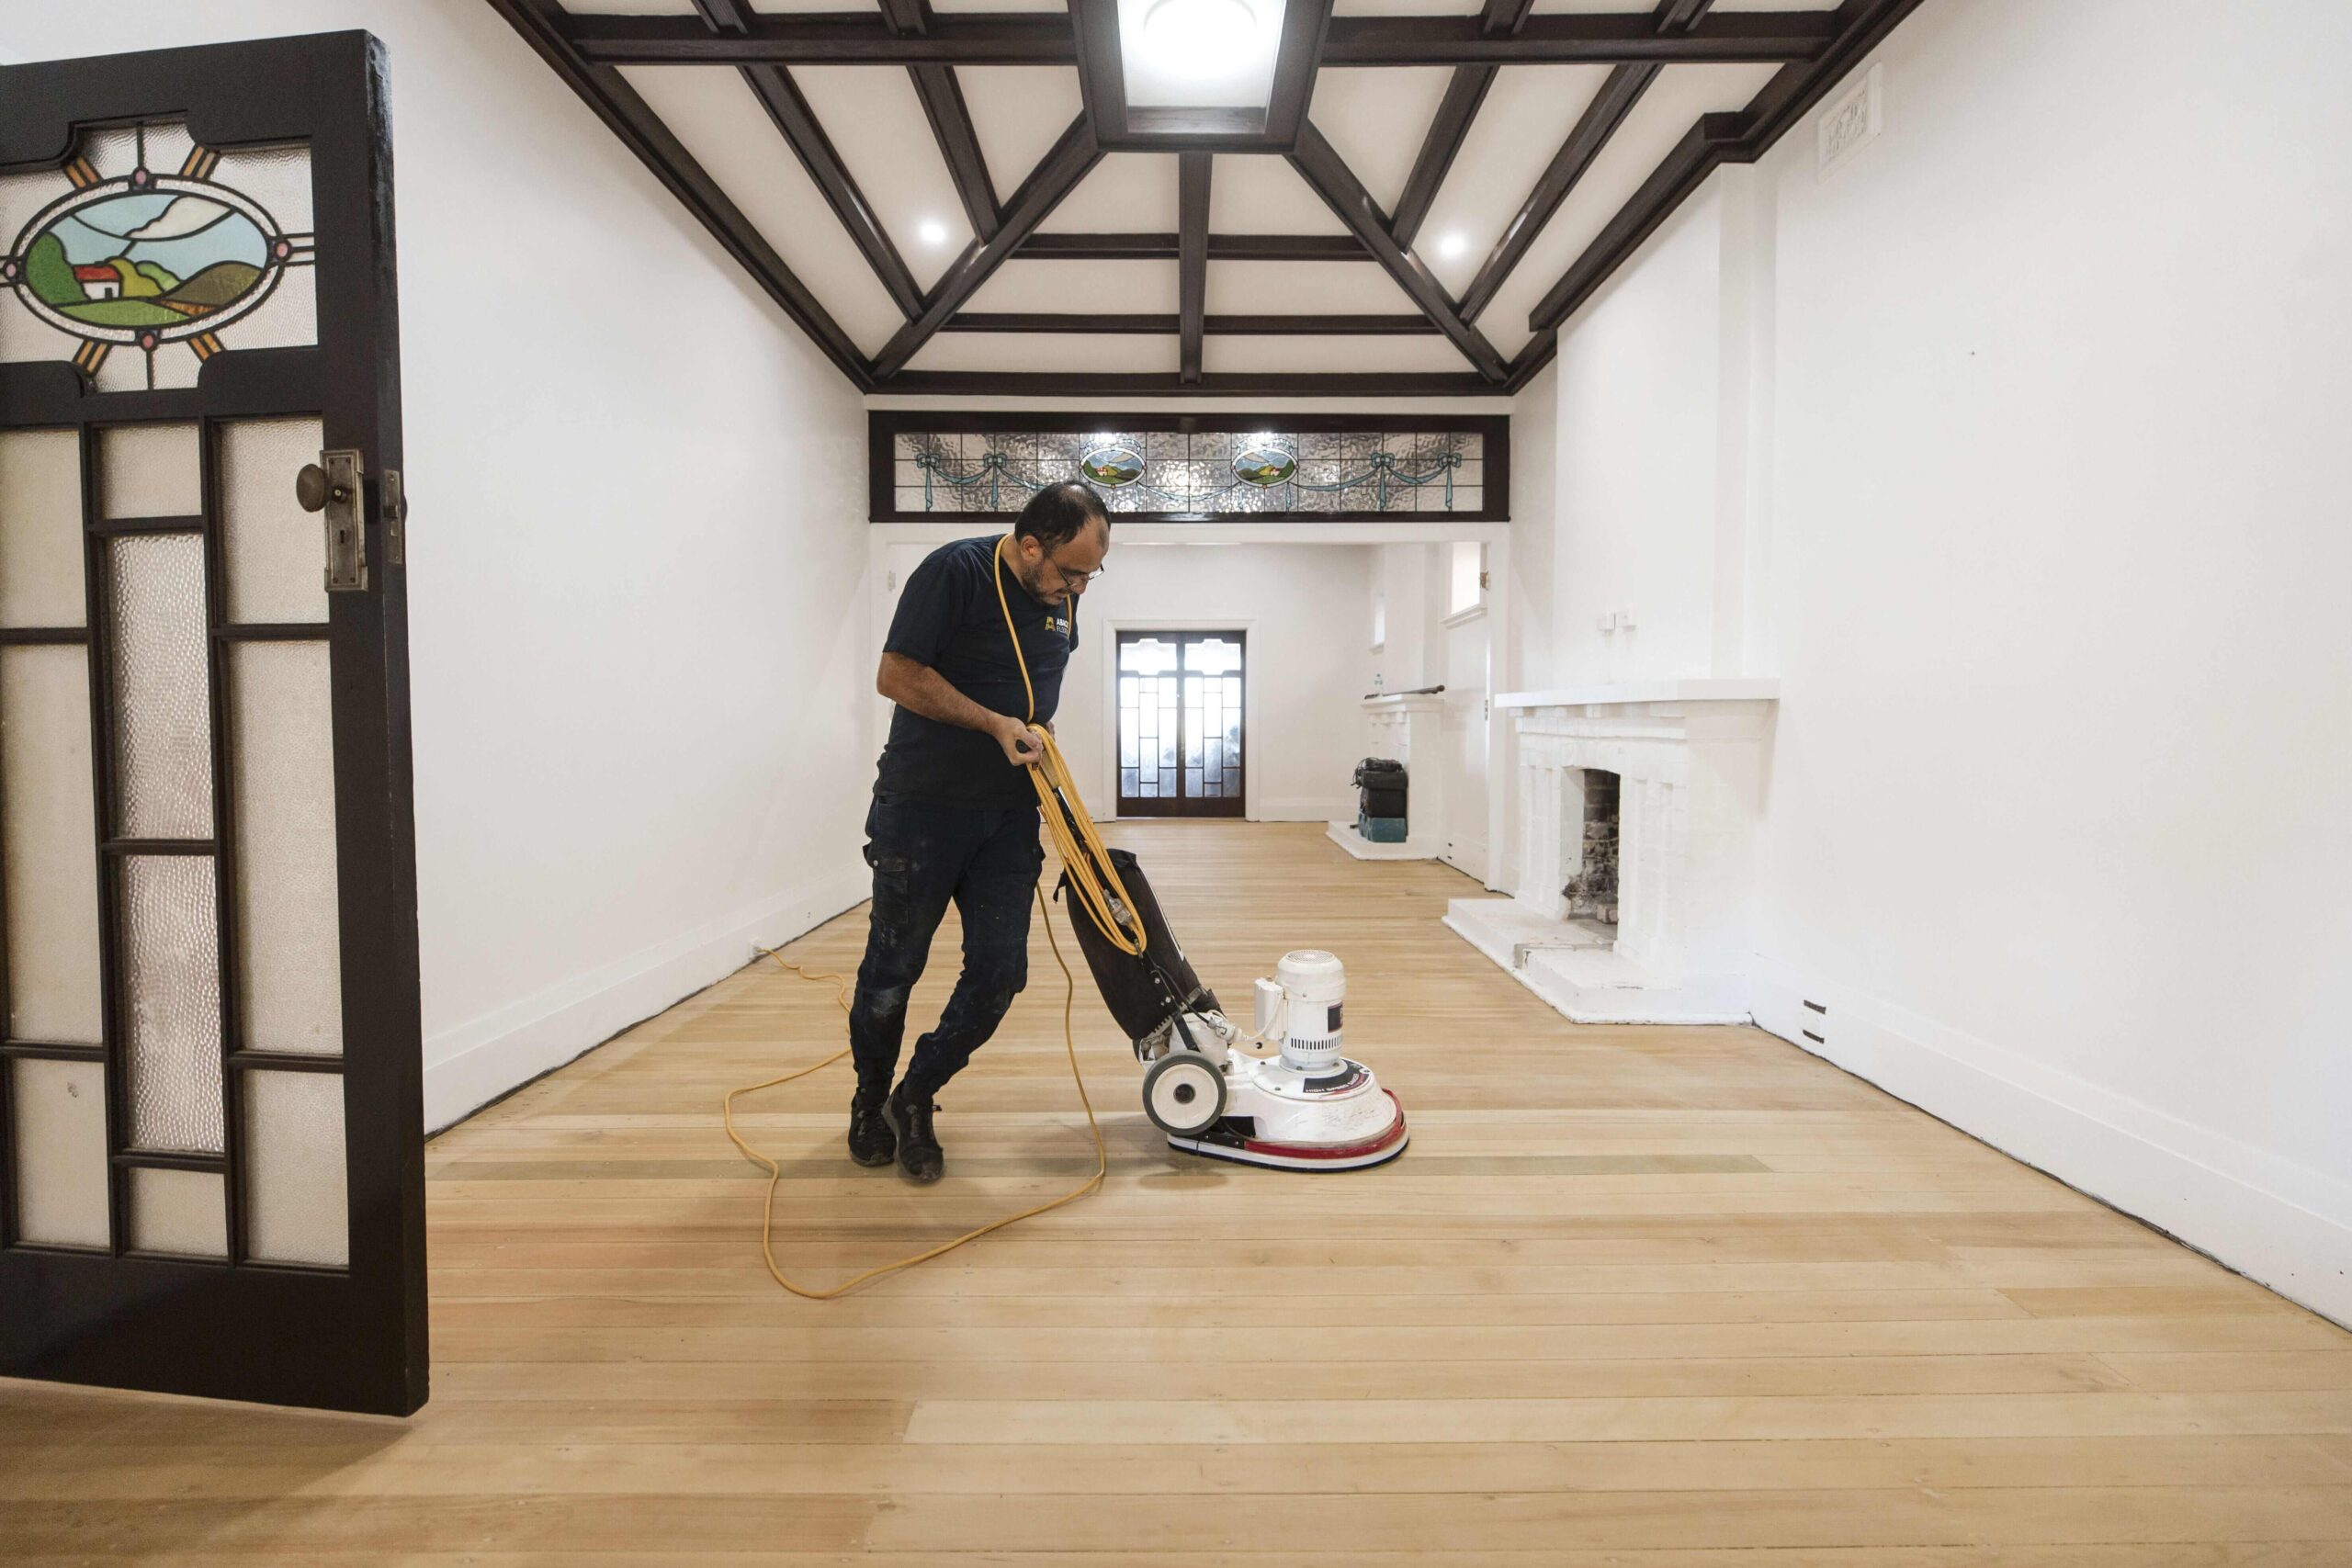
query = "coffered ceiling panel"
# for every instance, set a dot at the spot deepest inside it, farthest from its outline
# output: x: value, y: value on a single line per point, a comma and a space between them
x: 1128, y: 191
x: 1107, y: 288
x: 1288, y: 289
x: 1018, y: 110
x: 1681, y: 95
x: 957, y: 192
x: 1376, y: 119
x: 1260, y: 194
x: 889, y: 151
x: 1429, y: 355
x: 1083, y: 353
x: 724, y: 128
x: 1528, y: 112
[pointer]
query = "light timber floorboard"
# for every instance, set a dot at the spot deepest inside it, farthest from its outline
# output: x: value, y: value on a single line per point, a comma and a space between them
x: 1650, y: 1298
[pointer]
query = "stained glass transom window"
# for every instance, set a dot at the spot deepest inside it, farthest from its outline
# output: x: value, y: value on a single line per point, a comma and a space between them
x: 145, y: 255
x: 1196, y: 473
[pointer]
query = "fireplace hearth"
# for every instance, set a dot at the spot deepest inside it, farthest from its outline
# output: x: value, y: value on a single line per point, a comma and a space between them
x: 1635, y: 809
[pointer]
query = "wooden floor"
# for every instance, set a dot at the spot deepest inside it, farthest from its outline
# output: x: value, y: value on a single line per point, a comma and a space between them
x: 1644, y: 1297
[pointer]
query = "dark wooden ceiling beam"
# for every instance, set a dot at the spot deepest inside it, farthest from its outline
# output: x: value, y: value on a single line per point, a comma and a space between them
x: 1222, y: 247
x: 1069, y: 161
x: 1166, y: 325
x: 796, y: 122
x: 1716, y: 140
x: 1735, y: 37
x: 1193, y: 170
x: 951, y: 119
x: 1088, y: 384
x: 1025, y: 38
x: 1101, y: 81
x: 1463, y: 95
x: 1328, y: 174
x: 640, y: 129
x: 1297, y: 57
x: 1615, y: 100
x: 844, y: 37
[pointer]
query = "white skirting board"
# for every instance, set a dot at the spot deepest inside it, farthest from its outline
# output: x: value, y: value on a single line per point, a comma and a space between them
x: 472, y: 1063
x: 2279, y: 1224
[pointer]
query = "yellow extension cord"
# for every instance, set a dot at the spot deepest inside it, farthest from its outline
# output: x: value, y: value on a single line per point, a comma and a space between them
x: 1081, y: 850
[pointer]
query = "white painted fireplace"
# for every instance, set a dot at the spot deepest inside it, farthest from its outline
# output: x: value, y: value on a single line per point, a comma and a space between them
x: 1689, y: 756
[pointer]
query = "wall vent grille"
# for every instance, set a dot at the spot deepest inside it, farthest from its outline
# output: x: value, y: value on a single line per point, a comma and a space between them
x: 1849, y: 124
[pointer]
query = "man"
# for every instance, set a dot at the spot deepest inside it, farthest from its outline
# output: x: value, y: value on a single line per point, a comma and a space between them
x: 955, y: 815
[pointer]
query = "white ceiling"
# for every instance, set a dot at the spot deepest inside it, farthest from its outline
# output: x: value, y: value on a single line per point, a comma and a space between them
x: 1376, y: 118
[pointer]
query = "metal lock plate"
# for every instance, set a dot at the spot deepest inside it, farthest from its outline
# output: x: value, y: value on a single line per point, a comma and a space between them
x: 395, y: 518
x: 335, y: 486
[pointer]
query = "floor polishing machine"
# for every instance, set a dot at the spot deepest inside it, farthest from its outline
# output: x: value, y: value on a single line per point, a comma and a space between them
x: 1283, y: 1093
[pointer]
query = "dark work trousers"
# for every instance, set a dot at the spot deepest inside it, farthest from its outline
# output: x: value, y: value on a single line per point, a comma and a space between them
x: 924, y: 855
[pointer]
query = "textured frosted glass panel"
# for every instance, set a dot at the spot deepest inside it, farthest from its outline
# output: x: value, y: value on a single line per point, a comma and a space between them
x: 178, y: 1211
x: 162, y: 701
x: 290, y: 975
x: 274, y: 549
x: 172, y: 981
x: 149, y: 470
x: 48, y: 844
x: 294, y: 1170
x: 40, y: 529
x: 60, y: 1144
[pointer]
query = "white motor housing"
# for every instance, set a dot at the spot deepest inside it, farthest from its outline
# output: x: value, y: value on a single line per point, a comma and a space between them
x: 1314, y: 985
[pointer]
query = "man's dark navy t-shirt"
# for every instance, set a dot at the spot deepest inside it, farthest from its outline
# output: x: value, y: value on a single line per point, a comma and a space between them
x: 949, y: 618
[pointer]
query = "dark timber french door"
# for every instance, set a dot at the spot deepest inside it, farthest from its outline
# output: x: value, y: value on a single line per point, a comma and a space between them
x: 211, y: 1161
x: 1180, y: 724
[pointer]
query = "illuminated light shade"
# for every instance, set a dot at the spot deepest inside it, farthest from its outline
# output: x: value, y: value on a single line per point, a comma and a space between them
x: 932, y: 232
x: 1198, y: 38
x: 1452, y: 244
x: 1199, y: 54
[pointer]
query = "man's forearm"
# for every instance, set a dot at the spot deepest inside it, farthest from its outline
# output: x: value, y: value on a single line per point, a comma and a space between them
x: 921, y: 689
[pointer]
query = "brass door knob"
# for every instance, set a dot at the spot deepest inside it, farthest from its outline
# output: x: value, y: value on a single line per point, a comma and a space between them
x: 312, y: 488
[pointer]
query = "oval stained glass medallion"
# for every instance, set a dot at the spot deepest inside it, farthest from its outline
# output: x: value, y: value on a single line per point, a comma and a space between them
x: 1263, y: 465
x: 146, y: 259
x: 1112, y: 467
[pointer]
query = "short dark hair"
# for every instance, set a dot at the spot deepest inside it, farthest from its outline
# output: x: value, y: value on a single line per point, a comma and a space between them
x: 1055, y: 513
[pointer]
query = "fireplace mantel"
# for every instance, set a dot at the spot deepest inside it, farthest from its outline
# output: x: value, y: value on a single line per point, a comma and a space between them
x: 1688, y: 759
x: 1620, y: 693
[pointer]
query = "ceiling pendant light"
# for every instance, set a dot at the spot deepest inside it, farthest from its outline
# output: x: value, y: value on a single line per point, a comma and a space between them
x: 1199, y: 37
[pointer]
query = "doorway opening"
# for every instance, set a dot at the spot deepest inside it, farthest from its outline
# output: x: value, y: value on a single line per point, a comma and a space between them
x: 1181, y: 751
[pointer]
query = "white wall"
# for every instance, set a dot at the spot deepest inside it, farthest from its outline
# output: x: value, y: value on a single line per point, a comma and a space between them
x: 1303, y: 609
x: 2012, y: 447
x: 636, y: 559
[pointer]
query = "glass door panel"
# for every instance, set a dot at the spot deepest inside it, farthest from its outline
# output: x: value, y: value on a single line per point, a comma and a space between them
x: 1180, y: 724
x: 210, y: 1124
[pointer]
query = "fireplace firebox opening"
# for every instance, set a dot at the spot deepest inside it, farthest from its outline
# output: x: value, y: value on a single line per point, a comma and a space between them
x: 1592, y: 891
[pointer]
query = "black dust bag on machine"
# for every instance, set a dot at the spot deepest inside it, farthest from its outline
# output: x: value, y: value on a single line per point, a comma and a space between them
x: 1381, y: 786
x: 1143, y: 990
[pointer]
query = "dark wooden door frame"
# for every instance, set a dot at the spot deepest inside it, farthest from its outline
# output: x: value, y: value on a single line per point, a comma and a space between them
x: 1180, y: 805
x: 355, y: 1338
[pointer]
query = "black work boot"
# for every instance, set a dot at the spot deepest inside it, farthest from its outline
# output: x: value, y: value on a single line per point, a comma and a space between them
x: 871, y: 1141
x: 920, y: 1155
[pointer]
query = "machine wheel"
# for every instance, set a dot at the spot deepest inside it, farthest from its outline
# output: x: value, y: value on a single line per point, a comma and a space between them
x: 1184, y: 1094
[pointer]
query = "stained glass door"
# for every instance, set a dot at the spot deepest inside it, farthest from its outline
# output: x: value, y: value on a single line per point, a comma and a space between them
x: 211, y: 1111
x: 1181, y: 724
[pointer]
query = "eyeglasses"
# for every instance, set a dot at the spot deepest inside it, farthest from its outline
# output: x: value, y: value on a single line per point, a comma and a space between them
x: 1074, y: 579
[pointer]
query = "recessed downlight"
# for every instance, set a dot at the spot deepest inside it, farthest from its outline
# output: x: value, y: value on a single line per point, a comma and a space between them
x: 1453, y: 244
x: 932, y: 232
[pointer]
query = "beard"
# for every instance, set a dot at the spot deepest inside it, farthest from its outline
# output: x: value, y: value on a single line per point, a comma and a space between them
x: 1033, y: 582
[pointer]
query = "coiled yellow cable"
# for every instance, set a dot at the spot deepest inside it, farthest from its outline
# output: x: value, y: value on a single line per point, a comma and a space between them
x: 1087, y: 862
